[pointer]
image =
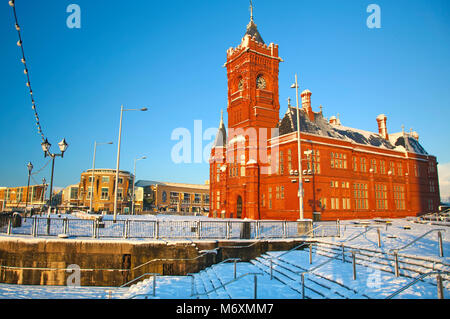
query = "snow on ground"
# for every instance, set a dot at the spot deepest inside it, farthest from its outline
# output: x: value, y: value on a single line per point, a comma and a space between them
x: 395, y: 235
x: 333, y: 279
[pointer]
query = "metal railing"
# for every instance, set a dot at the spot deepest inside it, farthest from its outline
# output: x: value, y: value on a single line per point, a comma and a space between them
x: 165, y: 229
x: 255, y: 285
x: 440, y: 290
x: 154, y: 275
x: 441, y: 250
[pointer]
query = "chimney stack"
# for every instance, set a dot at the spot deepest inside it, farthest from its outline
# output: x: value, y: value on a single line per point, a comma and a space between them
x: 306, y: 103
x: 382, y: 129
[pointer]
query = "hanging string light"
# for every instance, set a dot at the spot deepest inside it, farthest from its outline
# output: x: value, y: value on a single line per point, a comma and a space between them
x: 26, y: 71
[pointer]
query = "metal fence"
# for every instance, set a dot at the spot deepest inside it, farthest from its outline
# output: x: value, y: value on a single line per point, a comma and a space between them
x: 168, y: 229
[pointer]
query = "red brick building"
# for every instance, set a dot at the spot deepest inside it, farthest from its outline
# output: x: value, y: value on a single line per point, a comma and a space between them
x: 347, y: 173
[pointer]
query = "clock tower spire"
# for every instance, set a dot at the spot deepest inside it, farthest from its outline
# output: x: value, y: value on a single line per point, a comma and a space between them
x: 252, y: 72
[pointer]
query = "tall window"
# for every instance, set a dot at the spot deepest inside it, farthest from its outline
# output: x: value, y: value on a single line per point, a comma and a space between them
x: 105, y: 179
x: 242, y: 165
x: 392, y: 168
x: 338, y: 160
x: 289, y: 160
x: 363, y: 165
x: 399, y: 197
x: 382, y: 167
x: 400, y: 169
x: 373, y: 165
x: 432, y: 187
x: 345, y: 203
x: 104, y: 193
x: 270, y: 197
x: 355, y: 164
x: 73, y: 193
x: 218, y: 200
x: 281, y: 163
x: 313, y: 161
x: 381, y: 196
x: 334, y: 203
x: 89, y: 194
x: 120, y: 193
x: 360, y: 195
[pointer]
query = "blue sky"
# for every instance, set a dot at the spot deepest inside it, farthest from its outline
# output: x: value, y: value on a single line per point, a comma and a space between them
x: 169, y: 55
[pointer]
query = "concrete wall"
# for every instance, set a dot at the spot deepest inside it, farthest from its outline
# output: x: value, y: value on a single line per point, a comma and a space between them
x: 113, y: 263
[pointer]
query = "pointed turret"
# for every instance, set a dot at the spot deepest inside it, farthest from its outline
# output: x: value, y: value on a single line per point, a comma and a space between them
x: 252, y: 30
x: 221, y: 137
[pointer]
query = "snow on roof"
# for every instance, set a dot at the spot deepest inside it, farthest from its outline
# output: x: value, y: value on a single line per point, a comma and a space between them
x: 320, y: 126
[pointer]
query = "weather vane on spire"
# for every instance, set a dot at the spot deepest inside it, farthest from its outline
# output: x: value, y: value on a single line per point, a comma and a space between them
x: 251, y: 10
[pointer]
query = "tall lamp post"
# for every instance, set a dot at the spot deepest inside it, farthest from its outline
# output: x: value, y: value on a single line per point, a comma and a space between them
x: 118, y: 157
x: 92, y: 177
x: 134, y: 176
x: 46, y: 148
x: 300, y: 181
x: 43, y: 192
x: 30, y: 168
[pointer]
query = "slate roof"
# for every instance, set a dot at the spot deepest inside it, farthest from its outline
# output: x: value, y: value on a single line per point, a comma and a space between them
x: 221, y: 136
x: 320, y: 126
x: 253, y: 32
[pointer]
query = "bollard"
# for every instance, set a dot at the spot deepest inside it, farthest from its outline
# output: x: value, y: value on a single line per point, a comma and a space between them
x: 440, y: 289
x: 379, y: 237
x: 255, y: 286
x: 93, y: 229
x: 48, y: 226
x: 303, y: 285
x: 65, y: 226
x: 8, y: 232
x: 125, y: 229
x: 441, y: 251
x: 396, y: 263
x: 338, y: 227
x: 199, y: 227
x: 271, y: 267
x: 156, y: 230
x: 354, y: 264
x: 33, y: 227
x: 310, y: 254
x: 258, y: 231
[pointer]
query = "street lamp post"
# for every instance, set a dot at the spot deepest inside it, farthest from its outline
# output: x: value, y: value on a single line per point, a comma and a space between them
x: 118, y: 157
x: 46, y: 148
x: 92, y: 176
x: 134, y: 176
x: 300, y: 181
x: 30, y: 168
x: 43, y: 192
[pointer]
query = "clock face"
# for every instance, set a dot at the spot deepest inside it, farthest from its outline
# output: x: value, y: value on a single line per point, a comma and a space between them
x: 241, y: 85
x: 260, y: 82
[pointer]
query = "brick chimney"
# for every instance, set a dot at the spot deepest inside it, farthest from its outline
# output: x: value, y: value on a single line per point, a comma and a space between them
x: 382, y: 129
x: 306, y: 103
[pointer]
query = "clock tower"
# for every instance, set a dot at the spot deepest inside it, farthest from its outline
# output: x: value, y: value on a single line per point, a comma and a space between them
x: 252, y: 71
